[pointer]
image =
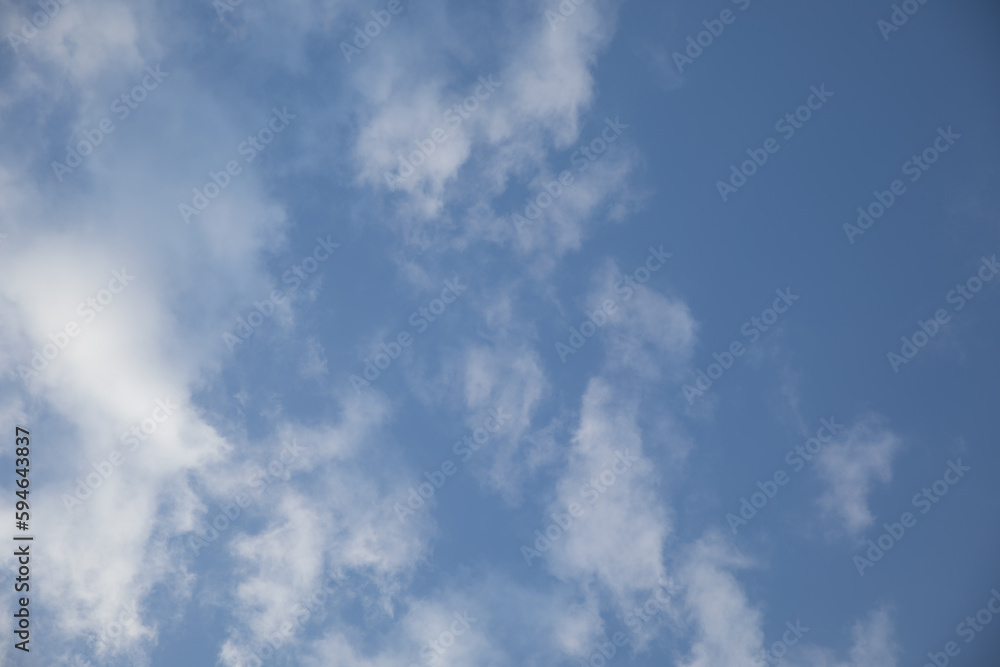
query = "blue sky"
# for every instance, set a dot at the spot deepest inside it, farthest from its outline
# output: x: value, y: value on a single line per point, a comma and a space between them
x: 506, y: 334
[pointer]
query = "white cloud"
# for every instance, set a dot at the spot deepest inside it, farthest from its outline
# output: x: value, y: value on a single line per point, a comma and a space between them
x: 851, y: 466
x: 512, y: 378
x: 608, y: 476
x: 82, y: 42
x: 338, y: 519
x: 726, y: 627
x: 510, y: 623
x: 545, y: 86
x: 648, y: 332
x: 873, y: 645
x: 605, y: 186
